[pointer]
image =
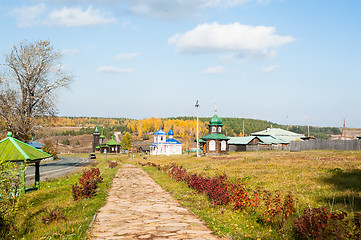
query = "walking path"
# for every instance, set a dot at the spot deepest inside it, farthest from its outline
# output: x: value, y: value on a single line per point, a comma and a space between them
x: 138, y: 208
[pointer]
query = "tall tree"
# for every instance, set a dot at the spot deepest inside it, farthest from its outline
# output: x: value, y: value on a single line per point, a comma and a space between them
x: 32, y: 74
x: 126, y: 143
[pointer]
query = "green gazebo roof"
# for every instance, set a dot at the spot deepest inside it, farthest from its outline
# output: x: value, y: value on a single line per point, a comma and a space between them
x: 12, y: 149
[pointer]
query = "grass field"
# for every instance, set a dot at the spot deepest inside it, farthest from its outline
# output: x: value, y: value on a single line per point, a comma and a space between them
x: 57, y: 195
x: 315, y: 178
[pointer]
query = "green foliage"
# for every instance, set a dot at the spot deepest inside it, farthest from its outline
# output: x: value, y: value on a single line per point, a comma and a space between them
x: 318, y: 132
x: 108, y: 130
x: 9, y: 198
x: 66, y: 142
x: 126, y: 143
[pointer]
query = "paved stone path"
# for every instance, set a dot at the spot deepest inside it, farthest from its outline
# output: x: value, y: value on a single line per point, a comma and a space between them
x: 138, y: 208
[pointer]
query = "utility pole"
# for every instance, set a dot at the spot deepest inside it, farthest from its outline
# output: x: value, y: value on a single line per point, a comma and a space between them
x: 243, y: 129
x: 197, y: 105
x: 308, y: 127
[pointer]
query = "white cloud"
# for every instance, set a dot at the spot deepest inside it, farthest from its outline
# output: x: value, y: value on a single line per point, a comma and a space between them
x: 28, y: 16
x: 69, y: 17
x: 126, y: 56
x: 269, y: 68
x: 214, y: 70
x: 111, y: 69
x: 76, y: 17
x: 245, y: 40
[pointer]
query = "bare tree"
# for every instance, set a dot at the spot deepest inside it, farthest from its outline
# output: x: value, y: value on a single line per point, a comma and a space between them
x: 28, y: 85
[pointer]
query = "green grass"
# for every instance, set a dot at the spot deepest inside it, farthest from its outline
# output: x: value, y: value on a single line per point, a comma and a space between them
x: 315, y: 178
x: 57, y: 193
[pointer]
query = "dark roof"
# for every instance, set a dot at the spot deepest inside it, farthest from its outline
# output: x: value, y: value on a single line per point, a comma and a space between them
x: 36, y: 144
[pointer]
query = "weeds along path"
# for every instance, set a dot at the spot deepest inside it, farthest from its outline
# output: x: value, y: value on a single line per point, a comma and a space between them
x: 138, y: 208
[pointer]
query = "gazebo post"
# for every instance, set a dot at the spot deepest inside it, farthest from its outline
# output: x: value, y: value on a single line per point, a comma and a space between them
x: 37, y: 175
x: 22, y: 176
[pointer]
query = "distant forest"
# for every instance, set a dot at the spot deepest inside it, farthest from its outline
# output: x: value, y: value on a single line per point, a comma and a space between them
x: 181, y: 126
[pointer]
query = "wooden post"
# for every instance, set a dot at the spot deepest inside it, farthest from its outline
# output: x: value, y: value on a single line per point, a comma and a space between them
x: 22, y: 177
x: 37, y: 175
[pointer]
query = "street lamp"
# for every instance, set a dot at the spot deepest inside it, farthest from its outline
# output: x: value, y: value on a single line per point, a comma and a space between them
x: 197, y: 105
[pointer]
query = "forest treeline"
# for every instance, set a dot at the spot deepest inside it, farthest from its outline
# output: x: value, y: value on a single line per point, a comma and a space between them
x: 183, y: 127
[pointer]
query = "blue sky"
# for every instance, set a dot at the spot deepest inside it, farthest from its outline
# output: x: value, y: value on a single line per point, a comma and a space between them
x: 279, y: 60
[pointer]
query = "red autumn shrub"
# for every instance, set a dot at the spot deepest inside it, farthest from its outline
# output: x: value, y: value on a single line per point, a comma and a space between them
x: 317, y: 223
x: 113, y: 164
x: 87, y: 184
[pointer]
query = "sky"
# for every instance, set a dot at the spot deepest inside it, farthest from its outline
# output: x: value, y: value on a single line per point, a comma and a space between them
x: 289, y: 62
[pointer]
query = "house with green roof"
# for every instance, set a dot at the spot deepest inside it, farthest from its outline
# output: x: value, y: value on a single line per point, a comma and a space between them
x: 215, y: 143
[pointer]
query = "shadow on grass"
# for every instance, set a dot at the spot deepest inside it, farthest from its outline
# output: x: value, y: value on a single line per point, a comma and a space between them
x: 343, y: 181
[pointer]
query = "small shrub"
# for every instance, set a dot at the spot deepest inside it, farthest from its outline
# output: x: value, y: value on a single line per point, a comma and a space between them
x: 54, y: 215
x: 77, y: 143
x: 113, y: 164
x: 66, y: 142
x: 87, y: 184
x: 317, y: 223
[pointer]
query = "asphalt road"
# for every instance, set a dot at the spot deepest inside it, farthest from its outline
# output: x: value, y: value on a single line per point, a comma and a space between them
x: 57, y: 168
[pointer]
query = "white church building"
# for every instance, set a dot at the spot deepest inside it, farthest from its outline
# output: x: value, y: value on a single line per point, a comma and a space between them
x: 164, y: 146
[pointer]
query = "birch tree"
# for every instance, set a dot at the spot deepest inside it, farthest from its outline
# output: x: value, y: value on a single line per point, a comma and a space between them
x: 32, y: 74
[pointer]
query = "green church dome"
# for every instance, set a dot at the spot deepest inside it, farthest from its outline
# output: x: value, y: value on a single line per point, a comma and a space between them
x: 215, y: 120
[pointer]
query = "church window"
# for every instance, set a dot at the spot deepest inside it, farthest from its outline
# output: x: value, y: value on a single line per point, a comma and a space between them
x: 219, y: 129
x: 212, y: 145
x: 214, y: 129
x: 223, y: 146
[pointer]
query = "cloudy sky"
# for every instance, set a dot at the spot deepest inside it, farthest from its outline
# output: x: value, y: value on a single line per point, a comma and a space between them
x: 279, y: 60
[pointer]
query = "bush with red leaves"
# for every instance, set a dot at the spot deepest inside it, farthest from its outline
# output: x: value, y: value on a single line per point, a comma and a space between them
x: 87, y: 184
x: 317, y: 223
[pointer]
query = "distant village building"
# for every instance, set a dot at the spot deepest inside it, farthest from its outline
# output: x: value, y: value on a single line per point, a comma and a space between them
x: 269, y: 139
x: 100, y: 145
x: 164, y: 146
x: 215, y: 143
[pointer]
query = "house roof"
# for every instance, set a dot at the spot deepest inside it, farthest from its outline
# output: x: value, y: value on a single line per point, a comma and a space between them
x: 263, y: 140
x: 271, y: 140
x: 279, y: 133
x: 172, y: 141
x: 12, y: 149
x: 215, y: 136
x: 240, y: 140
x: 35, y: 144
